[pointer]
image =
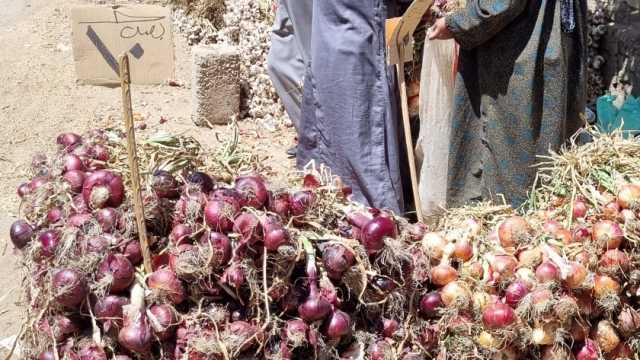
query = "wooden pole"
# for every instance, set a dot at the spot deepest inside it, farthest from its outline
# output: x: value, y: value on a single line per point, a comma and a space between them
x: 127, y: 114
x: 406, y: 122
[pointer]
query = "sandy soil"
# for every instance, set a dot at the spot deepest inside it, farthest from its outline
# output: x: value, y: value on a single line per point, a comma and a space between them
x: 39, y: 98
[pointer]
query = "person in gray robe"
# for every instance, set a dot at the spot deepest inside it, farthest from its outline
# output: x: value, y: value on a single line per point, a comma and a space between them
x: 519, y: 92
x: 290, y: 53
x: 349, y: 112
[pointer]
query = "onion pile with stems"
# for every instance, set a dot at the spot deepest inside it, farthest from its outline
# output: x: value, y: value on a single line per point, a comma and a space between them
x: 244, y: 270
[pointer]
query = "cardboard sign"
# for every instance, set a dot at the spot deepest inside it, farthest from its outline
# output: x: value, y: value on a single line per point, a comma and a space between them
x: 399, y: 31
x: 102, y: 34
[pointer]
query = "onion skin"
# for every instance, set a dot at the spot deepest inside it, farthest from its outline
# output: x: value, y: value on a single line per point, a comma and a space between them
x: 498, y: 316
x: 49, y: 240
x: 301, y: 202
x: 628, y: 321
x: 280, y: 203
x: 165, y: 185
x: 274, y: 234
x: 72, y: 162
x: 71, y: 287
x: 580, y: 209
x: 23, y: 190
x: 58, y: 327
x: 167, y: 284
x: 21, y: 234
x: 133, y: 252
x: 108, y: 218
x: 91, y: 351
x: 374, y: 233
x: 611, y: 211
x: 249, y: 228
x: 503, y: 267
x: 180, y: 234
x: 234, y: 276
x: 112, y: 194
x: 117, y: 270
x: 201, y: 180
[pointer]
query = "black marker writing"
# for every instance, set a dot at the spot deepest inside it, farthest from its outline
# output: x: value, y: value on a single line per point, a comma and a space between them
x: 155, y: 32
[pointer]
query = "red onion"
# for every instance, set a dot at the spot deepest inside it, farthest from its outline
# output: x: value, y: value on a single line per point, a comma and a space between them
x: 606, y: 336
x: 389, y: 327
x: 497, y: 316
x: 136, y: 335
x: 54, y: 215
x: 274, y: 234
x: 581, y: 234
x: 234, y: 276
x: 280, y: 203
x: 58, y: 327
x: 576, y: 277
x: 163, y: 321
x: 244, y: 331
x: 248, y: 226
x: 627, y: 216
x: 430, y: 304
x: 116, y: 270
x: 607, y: 234
x: 503, y: 267
x: 108, y: 310
x: 301, y: 202
x: 47, y: 355
x: 515, y: 293
x: 108, y: 218
x: 78, y: 205
x: 463, y: 251
x: 49, y: 240
x: 337, y: 259
x: 615, y: 261
x: 296, y: 331
x: 358, y: 220
x: 72, y: 163
x: 580, y: 209
x: 628, y: 196
x: 201, y: 180
x: 166, y: 283
x: 611, y: 211
x: 23, y: 190
x: 103, y: 188
x: 90, y: 351
x: 164, y: 185
x: 374, y: 233
x: 588, y: 351
x: 221, y: 246
x: 21, y: 234
x: 547, y: 272
x: 552, y: 226
x: 513, y: 232
x: 219, y: 214
x: 628, y: 321
x: 380, y: 350
x: 38, y: 182
x: 338, y: 325
x: 605, y: 285
x: 253, y: 190
x: 180, y: 234
x: 69, y: 141
x: 71, y: 287
x: 133, y: 252
x: 99, y: 152
x: 79, y: 220
x: 75, y: 179
x: 97, y: 244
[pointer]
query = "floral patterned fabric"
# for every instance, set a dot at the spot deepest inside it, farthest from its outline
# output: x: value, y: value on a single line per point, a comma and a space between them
x: 520, y: 91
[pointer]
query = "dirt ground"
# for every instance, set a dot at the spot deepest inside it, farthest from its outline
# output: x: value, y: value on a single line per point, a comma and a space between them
x: 39, y: 98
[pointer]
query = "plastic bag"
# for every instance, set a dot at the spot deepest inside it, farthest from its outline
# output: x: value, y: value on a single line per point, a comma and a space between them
x: 611, y: 118
x: 436, y: 105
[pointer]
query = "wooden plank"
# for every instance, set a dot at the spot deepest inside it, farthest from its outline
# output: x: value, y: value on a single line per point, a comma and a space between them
x: 127, y: 113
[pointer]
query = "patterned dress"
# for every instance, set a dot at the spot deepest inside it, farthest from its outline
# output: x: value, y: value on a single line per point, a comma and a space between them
x: 520, y: 91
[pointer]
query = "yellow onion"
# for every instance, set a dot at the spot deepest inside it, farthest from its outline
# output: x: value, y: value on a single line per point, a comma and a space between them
x: 577, y: 276
x: 434, y: 245
x: 463, y: 251
x: 487, y: 341
x: 605, y: 285
x: 443, y: 274
x: 455, y: 293
x: 628, y: 196
x: 606, y: 336
x: 530, y: 257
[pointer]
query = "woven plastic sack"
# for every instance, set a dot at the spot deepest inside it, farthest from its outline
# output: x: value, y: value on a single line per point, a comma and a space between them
x: 436, y: 105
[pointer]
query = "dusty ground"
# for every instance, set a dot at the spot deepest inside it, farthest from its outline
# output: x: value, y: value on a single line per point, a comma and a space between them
x: 39, y: 99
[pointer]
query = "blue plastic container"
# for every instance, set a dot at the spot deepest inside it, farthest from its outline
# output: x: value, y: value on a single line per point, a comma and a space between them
x: 611, y: 118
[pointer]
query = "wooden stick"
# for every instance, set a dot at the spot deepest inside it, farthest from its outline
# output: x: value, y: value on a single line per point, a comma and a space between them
x: 127, y: 113
x: 404, y: 102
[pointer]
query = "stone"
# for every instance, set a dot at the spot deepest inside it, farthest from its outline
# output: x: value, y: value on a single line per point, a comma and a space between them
x: 215, y: 84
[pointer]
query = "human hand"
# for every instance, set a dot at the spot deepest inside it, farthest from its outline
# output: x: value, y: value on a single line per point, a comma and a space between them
x: 439, y: 31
